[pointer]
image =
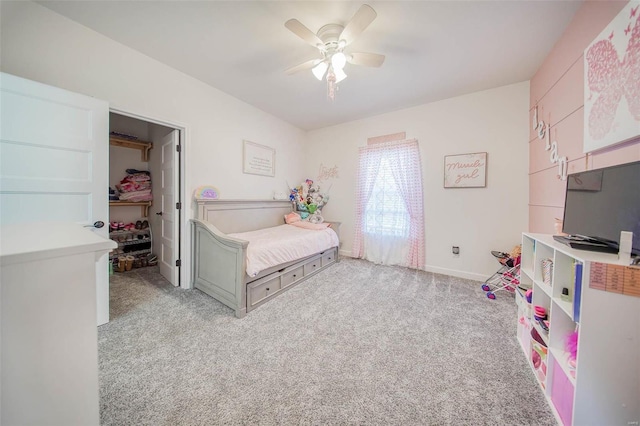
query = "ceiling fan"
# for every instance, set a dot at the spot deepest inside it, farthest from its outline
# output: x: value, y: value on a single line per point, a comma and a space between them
x: 331, y: 41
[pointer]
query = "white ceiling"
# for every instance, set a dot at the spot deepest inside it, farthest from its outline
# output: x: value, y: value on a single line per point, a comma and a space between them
x: 434, y: 49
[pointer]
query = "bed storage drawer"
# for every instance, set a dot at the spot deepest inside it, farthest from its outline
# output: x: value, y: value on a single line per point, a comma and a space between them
x: 312, y: 265
x: 262, y: 290
x: 328, y: 257
x: 289, y: 277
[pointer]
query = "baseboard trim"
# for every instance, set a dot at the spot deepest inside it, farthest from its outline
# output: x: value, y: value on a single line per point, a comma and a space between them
x: 455, y: 273
x: 437, y: 270
x: 345, y: 253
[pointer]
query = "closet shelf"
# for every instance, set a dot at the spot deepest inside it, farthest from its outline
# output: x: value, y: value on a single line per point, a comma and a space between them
x: 143, y: 146
x: 143, y: 204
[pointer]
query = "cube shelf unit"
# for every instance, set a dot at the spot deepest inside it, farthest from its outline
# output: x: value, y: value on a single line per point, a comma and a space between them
x: 604, y: 388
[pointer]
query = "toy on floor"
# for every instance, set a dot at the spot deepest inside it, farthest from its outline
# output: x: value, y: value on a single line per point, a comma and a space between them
x: 508, y: 276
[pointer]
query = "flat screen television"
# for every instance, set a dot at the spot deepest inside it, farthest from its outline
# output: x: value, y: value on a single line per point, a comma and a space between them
x: 601, y: 203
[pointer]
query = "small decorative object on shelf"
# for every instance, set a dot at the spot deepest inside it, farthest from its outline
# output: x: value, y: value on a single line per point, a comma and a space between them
x: 206, y: 192
x: 547, y: 271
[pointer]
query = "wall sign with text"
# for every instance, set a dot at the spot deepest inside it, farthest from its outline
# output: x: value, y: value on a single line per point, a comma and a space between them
x: 258, y: 159
x: 465, y: 170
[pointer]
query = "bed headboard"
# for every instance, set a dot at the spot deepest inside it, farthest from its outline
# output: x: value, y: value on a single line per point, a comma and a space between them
x: 231, y: 216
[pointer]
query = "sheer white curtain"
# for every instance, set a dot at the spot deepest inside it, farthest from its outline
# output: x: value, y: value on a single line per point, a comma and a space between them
x: 389, y: 205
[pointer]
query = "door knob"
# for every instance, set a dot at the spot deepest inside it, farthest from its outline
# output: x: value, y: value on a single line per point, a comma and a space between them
x: 97, y: 224
x: 159, y: 214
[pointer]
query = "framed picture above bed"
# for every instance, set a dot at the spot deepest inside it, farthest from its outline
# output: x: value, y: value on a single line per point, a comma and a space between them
x: 258, y: 159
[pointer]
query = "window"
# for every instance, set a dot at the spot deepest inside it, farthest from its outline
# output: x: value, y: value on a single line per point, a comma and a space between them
x: 386, y: 213
x: 389, y: 205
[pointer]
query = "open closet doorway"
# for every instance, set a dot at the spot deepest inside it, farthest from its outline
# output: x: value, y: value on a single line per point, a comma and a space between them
x: 145, y: 195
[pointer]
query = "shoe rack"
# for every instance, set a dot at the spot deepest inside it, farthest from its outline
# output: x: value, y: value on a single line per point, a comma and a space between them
x: 134, y: 245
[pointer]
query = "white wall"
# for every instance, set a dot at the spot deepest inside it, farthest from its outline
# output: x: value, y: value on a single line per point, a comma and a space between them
x: 477, y: 220
x: 41, y: 45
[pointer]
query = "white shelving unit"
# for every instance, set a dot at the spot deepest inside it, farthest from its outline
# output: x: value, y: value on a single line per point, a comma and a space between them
x: 604, y: 388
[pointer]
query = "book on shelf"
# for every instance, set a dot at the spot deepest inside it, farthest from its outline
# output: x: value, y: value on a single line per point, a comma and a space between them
x: 577, y: 290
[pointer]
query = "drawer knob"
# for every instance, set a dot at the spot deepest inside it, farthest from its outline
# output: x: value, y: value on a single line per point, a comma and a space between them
x: 294, y: 275
x: 267, y: 288
x: 314, y: 266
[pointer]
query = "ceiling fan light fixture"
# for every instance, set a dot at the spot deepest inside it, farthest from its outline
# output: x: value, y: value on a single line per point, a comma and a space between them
x: 340, y: 74
x: 338, y: 61
x: 319, y: 70
x: 331, y: 40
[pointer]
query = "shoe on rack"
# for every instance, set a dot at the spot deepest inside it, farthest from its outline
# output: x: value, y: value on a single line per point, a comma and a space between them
x: 129, y: 262
x: 145, y: 224
x: 138, y: 224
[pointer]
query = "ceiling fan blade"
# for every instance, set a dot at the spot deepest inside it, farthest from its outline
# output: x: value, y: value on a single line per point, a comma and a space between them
x: 360, y: 21
x: 366, y: 59
x: 303, y: 32
x: 303, y: 66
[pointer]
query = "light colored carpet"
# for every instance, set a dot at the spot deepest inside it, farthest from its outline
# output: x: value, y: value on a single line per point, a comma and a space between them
x: 356, y: 344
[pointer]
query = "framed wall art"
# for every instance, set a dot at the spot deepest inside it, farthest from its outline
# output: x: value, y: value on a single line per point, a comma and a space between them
x: 465, y: 170
x: 258, y: 159
x: 612, y: 82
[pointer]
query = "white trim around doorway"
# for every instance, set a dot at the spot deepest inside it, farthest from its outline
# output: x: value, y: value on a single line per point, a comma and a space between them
x: 185, y: 238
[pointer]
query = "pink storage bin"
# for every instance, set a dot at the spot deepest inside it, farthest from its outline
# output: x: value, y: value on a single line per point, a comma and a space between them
x: 562, y: 394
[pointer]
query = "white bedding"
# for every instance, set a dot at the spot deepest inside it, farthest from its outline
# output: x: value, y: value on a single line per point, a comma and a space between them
x: 280, y: 244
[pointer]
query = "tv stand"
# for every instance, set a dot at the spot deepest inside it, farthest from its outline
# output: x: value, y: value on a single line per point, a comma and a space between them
x: 602, y: 387
x: 580, y: 242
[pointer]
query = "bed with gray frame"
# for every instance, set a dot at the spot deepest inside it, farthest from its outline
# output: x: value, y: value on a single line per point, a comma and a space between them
x: 219, y: 260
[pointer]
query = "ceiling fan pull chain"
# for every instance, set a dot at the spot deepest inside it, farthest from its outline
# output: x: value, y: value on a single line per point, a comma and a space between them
x: 331, y: 84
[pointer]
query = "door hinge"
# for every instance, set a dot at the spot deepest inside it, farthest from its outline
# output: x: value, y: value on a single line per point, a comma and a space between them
x: 178, y: 206
x: 178, y: 262
x: 178, y: 148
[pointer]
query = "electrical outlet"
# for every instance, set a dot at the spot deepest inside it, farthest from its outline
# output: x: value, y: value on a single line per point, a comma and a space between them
x: 455, y: 250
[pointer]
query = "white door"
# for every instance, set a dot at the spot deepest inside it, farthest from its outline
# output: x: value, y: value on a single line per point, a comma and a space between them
x: 54, y: 155
x: 169, y: 215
